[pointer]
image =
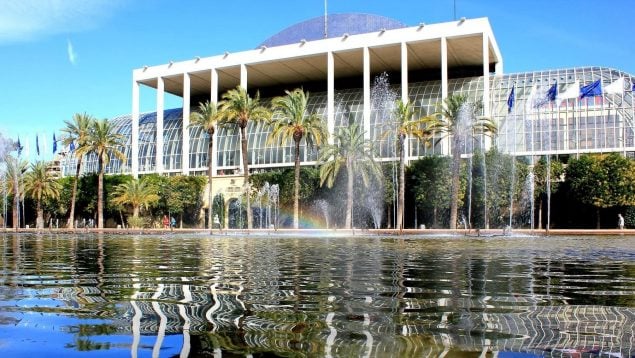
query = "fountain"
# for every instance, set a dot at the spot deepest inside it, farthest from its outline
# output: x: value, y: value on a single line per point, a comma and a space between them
x: 323, y: 206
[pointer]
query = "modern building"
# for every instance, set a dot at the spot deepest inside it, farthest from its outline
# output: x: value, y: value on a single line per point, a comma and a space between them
x: 341, y: 61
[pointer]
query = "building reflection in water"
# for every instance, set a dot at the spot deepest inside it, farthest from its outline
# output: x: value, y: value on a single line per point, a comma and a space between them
x: 337, y: 297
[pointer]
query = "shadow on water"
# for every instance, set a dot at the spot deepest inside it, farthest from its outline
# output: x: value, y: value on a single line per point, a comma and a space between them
x: 191, y: 295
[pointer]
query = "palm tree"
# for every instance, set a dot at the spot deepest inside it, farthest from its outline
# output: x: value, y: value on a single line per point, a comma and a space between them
x: 403, y: 127
x: 207, y: 118
x: 237, y: 108
x: 104, y: 142
x: 349, y: 150
x: 40, y: 184
x: 76, y: 135
x: 294, y: 122
x: 457, y: 118
x: 136, y: 193
x: 15, y: 169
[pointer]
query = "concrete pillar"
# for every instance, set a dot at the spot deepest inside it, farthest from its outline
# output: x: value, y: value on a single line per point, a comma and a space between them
x: 243, y: 76
x: 243, y: 84
x: 158, y: 161
x: 330, y: 95
x: 214, y: 99
x: 186, y: 125
x: 366, y: 123
x: 445, y: 144
x: 134, y: 160
x: 404, y: 90
x: 486, y: 102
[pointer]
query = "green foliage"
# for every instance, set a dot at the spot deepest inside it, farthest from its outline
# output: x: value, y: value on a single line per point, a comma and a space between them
x: 430, y: 184
x: 137, y: 222
x: 185, y: 197
x: 219, y: 208
x: 540, y: 176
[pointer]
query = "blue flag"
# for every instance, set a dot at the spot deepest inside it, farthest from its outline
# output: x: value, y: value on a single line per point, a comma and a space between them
x: 37, y: 145
x: 591, y: 90
x: 71, y: 147
x: 19, y: 147
x: 633, y: 89
x: 54, y: 144
x: 553, y: 92
x: 510, y: 100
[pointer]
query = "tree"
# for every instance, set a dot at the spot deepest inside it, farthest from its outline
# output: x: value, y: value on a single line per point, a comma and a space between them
x: 351, y: 151
x: 403, y: 127
x: 431, y: 178
x: 295, y: 123
x: 15, y: 170
x: 136, y: 193
x: 104, y: 142
x: 237, y: 109
x: 39, y: 184
x: 602, y: 181
x: 207, y: 118
x: 457, y: 119
x: 76, y: 135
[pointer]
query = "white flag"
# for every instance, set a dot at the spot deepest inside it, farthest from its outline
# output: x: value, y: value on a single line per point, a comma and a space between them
x: 617, y: 87
x: 572, y: 91
x: 530, y: 99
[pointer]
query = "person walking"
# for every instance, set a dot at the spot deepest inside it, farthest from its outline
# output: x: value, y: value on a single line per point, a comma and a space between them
x: 166, y: 221
x: 620, y: 221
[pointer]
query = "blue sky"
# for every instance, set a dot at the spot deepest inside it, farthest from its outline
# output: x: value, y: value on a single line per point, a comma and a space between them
x: 60, y: 57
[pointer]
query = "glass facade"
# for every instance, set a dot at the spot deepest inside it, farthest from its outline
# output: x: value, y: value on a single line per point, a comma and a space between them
x: 573, y: 126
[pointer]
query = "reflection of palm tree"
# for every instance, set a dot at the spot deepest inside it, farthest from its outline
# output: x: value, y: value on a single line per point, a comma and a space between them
x: 349, y: 150
x: 104, y: 142
x: 294, y: 122
x: 76, y: 135
x: 207, y: 118
x: 238, y: 108
x: 15, y: 169
x: 403, y: 127
x: 136, y: 193
x: 39, y: 184
x: 449, y: 122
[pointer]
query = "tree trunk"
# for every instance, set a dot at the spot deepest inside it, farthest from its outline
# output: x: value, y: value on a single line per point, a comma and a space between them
x: 539, y: 212
x: 39, y: 222
x: 349, y: 194
x: 243, y: 144
x: 210, y: 156
x: 71, y: 215
x: 296, y: 187
x: 16, y: 203
x: 100, y: 194
x: 401, y: 199
x: 454, y: 198
x: 597, y: 214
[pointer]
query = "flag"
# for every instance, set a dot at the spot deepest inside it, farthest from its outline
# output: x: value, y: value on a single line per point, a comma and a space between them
x: 616, y: 87
x: 54, y: 144
x: 591, y: 90
x: 530, y: 99
x: 19, y: 147
x: 552, y: 93
x: 633, y: 89
x: 510, y: 100
x: 572, y: 91
x: 71, y: 147
x: 37, y: 145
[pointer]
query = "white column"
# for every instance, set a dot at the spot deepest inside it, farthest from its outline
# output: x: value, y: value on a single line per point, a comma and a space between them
x: 330, y: 95
x: 486, y: 103
x: 444, y: 67
x: 366, y: 93
x: 214, y: 99
x: 243, y: 84
x: 404, y: 90
x: 134, y: 139
x: 186, y: 124
x: 498, y: 69
x: 159, y: 140
x: 445, y: 144
x: 243, y: 76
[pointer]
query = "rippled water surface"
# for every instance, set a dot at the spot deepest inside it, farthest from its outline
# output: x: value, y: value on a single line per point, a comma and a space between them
x: 197, y: 295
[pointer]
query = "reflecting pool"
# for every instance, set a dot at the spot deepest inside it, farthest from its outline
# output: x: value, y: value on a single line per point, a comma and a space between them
x: 197, y: 295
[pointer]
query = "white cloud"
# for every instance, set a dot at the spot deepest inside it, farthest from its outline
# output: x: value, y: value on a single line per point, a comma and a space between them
x: 72, y: 55
x: 23, y: 20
